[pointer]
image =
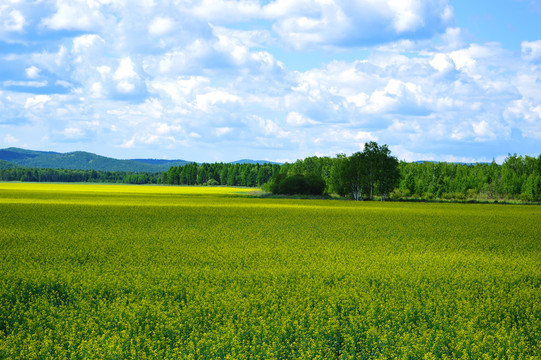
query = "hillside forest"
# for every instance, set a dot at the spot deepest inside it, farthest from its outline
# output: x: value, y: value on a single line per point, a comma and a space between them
x: 371, y: 174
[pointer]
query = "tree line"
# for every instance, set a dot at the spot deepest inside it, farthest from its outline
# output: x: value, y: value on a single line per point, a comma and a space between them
x: 518, y: 178
x: 366, y: 175
x: 250, y: 175
x: 70, y: 175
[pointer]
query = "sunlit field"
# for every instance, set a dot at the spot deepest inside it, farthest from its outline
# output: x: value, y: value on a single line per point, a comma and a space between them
x: 158, y: 272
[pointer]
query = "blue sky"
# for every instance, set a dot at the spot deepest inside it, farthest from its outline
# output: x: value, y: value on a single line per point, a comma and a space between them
x: 221, y: 80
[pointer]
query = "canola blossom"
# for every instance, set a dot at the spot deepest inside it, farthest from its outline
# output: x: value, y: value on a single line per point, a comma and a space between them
x: 160, y: 272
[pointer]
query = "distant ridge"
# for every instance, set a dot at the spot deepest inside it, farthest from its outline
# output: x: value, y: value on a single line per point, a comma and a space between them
x: 81, y: 160
x: 161, y: 162
x: 449, y: 162
x: 248, y: 161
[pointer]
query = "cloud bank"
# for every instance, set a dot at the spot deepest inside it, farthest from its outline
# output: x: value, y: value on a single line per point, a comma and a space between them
x: 209, y: 80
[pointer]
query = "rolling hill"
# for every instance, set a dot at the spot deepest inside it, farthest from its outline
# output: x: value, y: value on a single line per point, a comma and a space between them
x: 81, y: 160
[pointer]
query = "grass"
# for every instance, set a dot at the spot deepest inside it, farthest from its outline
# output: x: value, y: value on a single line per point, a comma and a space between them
x: 120, y: 272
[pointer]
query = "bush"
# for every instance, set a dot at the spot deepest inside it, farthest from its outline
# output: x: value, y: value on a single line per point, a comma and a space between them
x: 293, y: 185
x: 274, y: 183
x: 315, y: 185
x: 297, y: 185
x: 397, y: 194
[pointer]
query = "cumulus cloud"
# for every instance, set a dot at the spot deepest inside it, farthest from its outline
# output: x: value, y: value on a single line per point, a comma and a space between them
x: 76, y: 15
x: 11, y: 20
x: 526, y: 115
x: 531, y: 51
x: 163, y: 76
x: 307, y: 23
x: 296, y: 119
x: 212, y: 98
x: 443, y: 63
x: 126, y: 76
x: 32, y: 72
x: 161, y: 26
x: 37, y: 102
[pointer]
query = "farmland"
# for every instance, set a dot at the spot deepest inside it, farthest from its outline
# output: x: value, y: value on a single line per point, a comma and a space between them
x: 158, y: 272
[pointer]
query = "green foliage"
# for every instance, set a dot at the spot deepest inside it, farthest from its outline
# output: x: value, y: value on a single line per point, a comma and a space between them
x: 297, y: 185
x: 315, y: 185
x: 291, y: 185
x: 183, y: 273
x: 7, y: 165
x: 68, y: 175
x: 518, y: 178
x: 245, y: 174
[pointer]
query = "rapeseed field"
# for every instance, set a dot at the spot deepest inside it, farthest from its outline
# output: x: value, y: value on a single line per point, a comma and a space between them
x: 157, y: 272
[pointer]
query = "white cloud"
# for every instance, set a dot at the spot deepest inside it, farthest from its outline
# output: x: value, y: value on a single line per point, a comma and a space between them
x: 526, y: 116
x: 76, y: 15
x: 10, y: 139
x: 37, y: 102
x: 57, y: 63
x: 482, y: 130
x: 35, y: 84
x: 126, y: 76
x: 345, y: 135
x: 32, y: 72
x: 160, y: 75
x: 221, y: 131
x: 205, y: 101
x: 125, y: 70
x: 531, y: 50
x: 73, y: 133
x: 88, y: 48
x: 443, y: 63
x: 161, y: 26
x: 307, y: 23
x: 297, y: 119
x: 11, y: 20
x: 227, y: 11
x: 269, y: 128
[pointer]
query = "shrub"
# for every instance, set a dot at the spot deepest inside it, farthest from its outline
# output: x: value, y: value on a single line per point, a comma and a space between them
x: 296, y: 185
x: 315, y: 185
x: 293, y: 185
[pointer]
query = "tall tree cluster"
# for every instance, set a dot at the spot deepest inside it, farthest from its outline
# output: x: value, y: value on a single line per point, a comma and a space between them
x: 367, y: 173
x: 359, y: 176
x: 519, y: 177
x: 220, y: 174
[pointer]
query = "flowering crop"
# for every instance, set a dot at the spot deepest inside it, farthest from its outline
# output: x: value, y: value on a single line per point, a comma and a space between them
x: 151, y: 272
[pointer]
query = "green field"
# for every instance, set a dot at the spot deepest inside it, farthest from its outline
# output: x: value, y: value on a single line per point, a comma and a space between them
x: 155, y: 272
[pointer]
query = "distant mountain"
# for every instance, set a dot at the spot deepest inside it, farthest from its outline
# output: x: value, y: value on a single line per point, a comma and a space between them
x: 82, y: 161
x: 248, y: 161
x: 7, y: 165
x: 455, y: 162
x: 162, y: 162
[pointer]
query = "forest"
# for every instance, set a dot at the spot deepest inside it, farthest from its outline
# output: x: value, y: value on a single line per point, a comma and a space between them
x: 367, y: 175
x: 375, y: 173
x: 70, y: 175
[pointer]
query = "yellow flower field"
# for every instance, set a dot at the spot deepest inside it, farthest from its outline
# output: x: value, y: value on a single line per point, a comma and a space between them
x: 157, y: 272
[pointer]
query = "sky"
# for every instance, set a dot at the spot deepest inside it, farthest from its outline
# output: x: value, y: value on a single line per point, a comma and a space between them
x: 279, y: 80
